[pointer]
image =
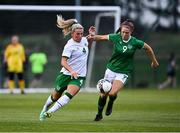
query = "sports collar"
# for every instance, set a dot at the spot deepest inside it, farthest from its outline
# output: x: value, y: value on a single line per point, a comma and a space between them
x: 127, y: 40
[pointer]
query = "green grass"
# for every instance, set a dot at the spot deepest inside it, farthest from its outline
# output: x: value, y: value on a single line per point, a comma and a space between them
x: 134, y: 110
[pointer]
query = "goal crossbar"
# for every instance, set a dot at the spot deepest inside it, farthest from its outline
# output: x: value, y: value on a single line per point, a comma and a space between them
x: 115, y: 9
x: 57, y: 8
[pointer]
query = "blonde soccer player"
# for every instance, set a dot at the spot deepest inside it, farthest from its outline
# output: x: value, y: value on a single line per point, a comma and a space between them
x: 120, y: 64
x: 15, y: 58
x: 74, y: 67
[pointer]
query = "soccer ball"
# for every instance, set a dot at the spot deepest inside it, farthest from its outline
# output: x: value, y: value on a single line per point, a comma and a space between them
x: 103, y: 86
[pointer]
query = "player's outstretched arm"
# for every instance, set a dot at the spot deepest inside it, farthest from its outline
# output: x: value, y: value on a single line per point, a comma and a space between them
x: 92, y: 35
x: 150, y: 53
x: 98, y: 37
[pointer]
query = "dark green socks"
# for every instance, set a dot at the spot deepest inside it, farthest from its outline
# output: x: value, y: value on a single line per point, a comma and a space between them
x: 112, y: 99
x: 101, y: 104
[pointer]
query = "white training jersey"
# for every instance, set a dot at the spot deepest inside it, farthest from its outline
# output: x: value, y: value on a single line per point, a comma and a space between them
x: 77, y: 52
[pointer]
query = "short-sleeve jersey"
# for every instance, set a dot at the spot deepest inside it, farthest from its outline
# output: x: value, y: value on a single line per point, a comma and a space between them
x: 38, y: 60
x: 123, y: 53
x: 77, y: 54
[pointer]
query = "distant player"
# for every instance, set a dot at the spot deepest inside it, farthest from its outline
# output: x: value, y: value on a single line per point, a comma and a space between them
x: 171, y: 73
x: 38, y: 61
x: 74, y: 67
x: 120, y: 64
x: 15, y: 58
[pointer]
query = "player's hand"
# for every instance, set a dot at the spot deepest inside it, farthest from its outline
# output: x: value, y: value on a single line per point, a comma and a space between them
x: 90, y: 37
x: 74, y: 75
x: 154, y: 64
x: 92, y: 30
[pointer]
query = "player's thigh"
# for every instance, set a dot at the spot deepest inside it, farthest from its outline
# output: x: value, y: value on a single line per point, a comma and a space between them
x: 75, y: 85
x: 104, y: 94
x: 117, y: 85
x: 73, y: 89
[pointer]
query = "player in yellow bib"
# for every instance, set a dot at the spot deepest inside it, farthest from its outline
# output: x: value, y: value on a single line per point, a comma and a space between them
x: 15, y: 58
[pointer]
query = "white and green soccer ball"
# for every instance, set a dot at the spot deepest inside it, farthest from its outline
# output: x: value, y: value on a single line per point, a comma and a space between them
x: 104, y: 86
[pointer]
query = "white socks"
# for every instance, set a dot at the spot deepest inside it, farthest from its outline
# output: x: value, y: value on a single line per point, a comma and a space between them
x: 48, y: 103
x: 59, y: 103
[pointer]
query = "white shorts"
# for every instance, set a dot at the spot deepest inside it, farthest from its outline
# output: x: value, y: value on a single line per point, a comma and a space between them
x: 111, y: 76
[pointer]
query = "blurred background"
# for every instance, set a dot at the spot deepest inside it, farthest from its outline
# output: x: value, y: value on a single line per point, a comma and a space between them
x: 156, y: 22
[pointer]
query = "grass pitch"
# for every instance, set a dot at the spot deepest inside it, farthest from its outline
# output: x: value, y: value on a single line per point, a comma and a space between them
x: 134, y: 110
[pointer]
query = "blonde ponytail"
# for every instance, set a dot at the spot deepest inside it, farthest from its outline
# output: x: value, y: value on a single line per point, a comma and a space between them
x: 67, y: 26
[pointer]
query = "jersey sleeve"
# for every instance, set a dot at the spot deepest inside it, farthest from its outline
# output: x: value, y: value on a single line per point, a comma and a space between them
x: 67, y: 51
x: 44, y: 58
x: 113, y: 37
x: 139, y: 44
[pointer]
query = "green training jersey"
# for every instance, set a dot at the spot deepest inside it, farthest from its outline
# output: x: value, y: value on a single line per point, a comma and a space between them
x: 38, y: 60
x: 123, y: 53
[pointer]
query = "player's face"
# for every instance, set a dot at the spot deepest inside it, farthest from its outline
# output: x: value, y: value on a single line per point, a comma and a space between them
x: 125, y: 33
x: 77, y: 35
x: 14, y: 40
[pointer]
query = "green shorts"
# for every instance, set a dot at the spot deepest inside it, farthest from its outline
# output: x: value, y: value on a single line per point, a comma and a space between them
x: 62, y: 81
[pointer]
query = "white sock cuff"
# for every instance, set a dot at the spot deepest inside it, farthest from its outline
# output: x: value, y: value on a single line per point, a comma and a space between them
x: 63, y: 100
x: 59, y: 103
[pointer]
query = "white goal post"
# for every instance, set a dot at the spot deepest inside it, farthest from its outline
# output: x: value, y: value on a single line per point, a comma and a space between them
x: 106, y: 11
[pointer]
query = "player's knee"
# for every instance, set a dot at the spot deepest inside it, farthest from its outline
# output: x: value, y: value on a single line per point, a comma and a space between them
x: 103, y: 94
x: 112, y: 93
x: 55, y: 96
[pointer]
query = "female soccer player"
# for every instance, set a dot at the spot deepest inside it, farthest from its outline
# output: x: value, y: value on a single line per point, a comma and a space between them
x: 120, y: 64
x: 74, y: 65
x: 15, y: 58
